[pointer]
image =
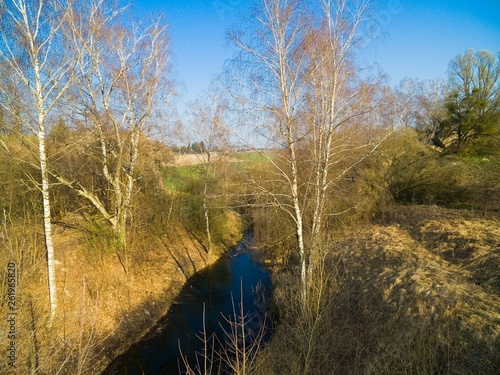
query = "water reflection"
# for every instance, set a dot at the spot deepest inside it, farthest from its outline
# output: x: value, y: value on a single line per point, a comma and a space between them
x: 158, y: 353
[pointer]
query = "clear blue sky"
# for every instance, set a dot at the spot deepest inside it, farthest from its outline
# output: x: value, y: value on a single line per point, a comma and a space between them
x: 418, y: 37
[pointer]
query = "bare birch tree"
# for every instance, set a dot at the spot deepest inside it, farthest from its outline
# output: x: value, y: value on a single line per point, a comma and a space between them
x: 295, y: 72
x: 123, y: 84
x: 338, y: 98
x: 208, y: 124
x: 41, y: 70
x: 274, y: 64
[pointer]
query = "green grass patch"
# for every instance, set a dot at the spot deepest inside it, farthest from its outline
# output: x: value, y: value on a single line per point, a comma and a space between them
x: 252, y: 160
x: 181, y: 178
x: 252, y: 156
x: 249, y: 156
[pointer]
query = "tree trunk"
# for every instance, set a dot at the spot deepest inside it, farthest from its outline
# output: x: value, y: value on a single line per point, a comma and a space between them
x: 205, y: 206
x: 207, y: 224
x: 122, y: 243
x: 44, y: 175
x: 299, y: 227
x: 47, y: 226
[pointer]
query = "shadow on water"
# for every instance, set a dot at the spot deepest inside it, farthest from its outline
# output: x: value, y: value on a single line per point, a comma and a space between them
x: 235, y: 275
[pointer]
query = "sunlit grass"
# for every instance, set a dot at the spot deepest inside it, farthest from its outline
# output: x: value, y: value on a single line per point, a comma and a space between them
x: 179, y: 178
x: 254, y: 156
x: 253, y: 160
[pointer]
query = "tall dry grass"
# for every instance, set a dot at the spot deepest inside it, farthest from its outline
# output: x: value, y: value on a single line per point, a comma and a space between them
x: 382, y: 302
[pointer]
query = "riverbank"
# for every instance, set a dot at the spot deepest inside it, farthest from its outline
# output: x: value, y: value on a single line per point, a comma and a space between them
x: 102, y: 309
x: 206, y: 305
x: 417, y: 290
x: 151, y: 289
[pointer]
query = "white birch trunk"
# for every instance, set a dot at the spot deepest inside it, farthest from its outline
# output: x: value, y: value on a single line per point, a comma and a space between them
x: 299, y: 230
x: 47, y: 226
x: 296, y: 65
x: 205, y: 204
x: 123, y: 70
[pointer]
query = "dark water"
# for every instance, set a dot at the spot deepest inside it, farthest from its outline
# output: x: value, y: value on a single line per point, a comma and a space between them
x: 213, y: 287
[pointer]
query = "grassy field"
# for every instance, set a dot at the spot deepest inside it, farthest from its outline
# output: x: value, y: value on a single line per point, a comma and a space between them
x: 186, y: 170
x: 179, y: 178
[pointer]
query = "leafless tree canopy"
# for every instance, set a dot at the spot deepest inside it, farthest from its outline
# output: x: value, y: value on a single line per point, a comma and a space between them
x: 295, y: 74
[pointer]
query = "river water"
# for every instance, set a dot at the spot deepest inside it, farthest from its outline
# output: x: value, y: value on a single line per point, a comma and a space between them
x: 234, y: 277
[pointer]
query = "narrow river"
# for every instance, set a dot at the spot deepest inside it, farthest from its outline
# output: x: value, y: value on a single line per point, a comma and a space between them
x: 235, y: 275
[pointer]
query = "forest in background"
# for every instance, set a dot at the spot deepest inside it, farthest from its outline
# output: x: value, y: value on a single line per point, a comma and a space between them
x: 376, y: 208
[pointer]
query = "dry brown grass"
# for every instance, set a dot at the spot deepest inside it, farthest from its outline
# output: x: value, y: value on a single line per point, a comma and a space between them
x: 101, y: 310
x: 466, y: 239
x: 182, y: 160
x: 415, y: 293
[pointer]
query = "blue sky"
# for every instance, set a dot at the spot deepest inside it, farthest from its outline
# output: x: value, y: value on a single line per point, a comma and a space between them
x: 417, y: 38
x: 421, y: 37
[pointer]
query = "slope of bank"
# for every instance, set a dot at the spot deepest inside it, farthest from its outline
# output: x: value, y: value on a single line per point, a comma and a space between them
x: 102, y: 309
x: 417, y: 291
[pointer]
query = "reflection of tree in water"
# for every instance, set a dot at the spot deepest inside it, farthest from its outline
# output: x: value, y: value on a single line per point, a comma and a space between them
x: 218, y: 276
x: 214, y: 286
